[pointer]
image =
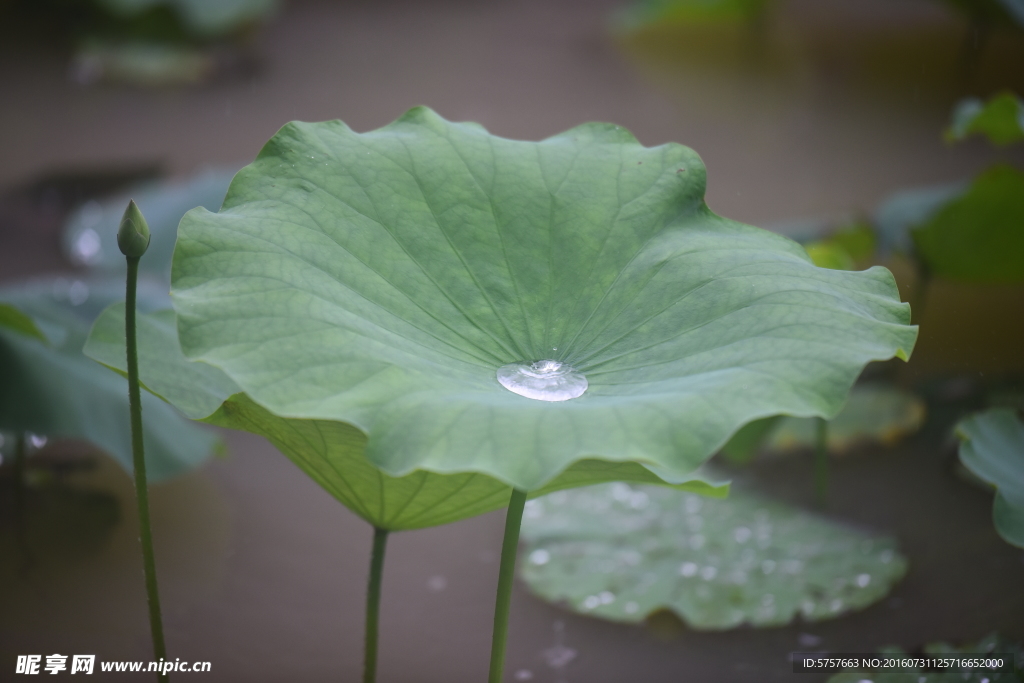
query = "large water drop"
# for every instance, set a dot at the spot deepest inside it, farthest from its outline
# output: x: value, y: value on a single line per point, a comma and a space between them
x: 545, y: 380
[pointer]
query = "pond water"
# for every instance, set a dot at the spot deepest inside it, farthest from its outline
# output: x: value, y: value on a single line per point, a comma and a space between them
x: 263, y: 573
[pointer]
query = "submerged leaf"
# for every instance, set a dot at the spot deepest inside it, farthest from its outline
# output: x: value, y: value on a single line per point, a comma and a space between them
x: 54, y: 390
x: 331, y: 453
x: 622, y: 552
x: 1001, y: 119
x: 382, y: 279
x: 992, y: 447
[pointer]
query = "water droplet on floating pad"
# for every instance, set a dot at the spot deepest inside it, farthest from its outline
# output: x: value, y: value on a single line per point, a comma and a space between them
x: 545, y: 380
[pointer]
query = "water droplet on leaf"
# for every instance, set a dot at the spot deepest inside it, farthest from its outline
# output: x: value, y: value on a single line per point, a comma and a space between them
x: 544, y: 380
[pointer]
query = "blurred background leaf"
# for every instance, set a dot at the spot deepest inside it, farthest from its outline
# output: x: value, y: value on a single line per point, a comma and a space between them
x: 623, y: 552
x: 52, y: 389
x: 1001, y: 119
x: 992, y: 448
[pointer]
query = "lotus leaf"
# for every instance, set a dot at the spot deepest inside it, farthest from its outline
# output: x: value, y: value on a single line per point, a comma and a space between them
x: 622, y: 552
x: 873, y: 413
x: 977, y: 237
x: 50, y: 388
x: 992, y: 447
x: 379, y: 281
x: 329, y: 452
x: 1001, y: 119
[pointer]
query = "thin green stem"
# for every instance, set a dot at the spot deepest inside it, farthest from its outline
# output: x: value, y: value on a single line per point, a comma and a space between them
x: 821, y: 461
x: 380, y: 541
x: 506, y: 574
x: 139, y: 461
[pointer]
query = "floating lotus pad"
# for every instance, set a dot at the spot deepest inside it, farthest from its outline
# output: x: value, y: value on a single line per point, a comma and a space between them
x: 380, y: 280
x: 623, y: 552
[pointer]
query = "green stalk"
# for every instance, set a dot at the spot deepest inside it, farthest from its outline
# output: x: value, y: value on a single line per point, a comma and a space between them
x: 133, y: 240
x: 506, y: 574
x: 821, y: 461
x: 380, y: 540
x: 139, y: 460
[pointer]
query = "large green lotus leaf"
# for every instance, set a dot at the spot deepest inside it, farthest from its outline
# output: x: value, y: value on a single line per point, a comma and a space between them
x: 49, y: 387
x: 381, y: 279
x: 978, y: 236
x: 623, y: 552
x: 992, y: 447
x: 991, y: 644
x: 1001, y: 119
x: 332, y: 453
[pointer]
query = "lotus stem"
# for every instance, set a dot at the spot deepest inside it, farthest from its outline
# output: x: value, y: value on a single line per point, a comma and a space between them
x: 506, y: 575
x: 821, y: 461
x: 139, y: 460
x: 380, y: 541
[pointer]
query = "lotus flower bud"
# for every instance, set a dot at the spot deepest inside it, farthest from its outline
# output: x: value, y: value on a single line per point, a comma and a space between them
x: 133, y: 234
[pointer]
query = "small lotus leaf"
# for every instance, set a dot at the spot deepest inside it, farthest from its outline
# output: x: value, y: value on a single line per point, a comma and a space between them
x: 873, y: 413
x: 992, y: 447
x: 54, y: 390
x: 622, y: 552
x: 1001, y: 119
x: 332, y: 453
x: 977, y: 237
x: 381, y: 279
